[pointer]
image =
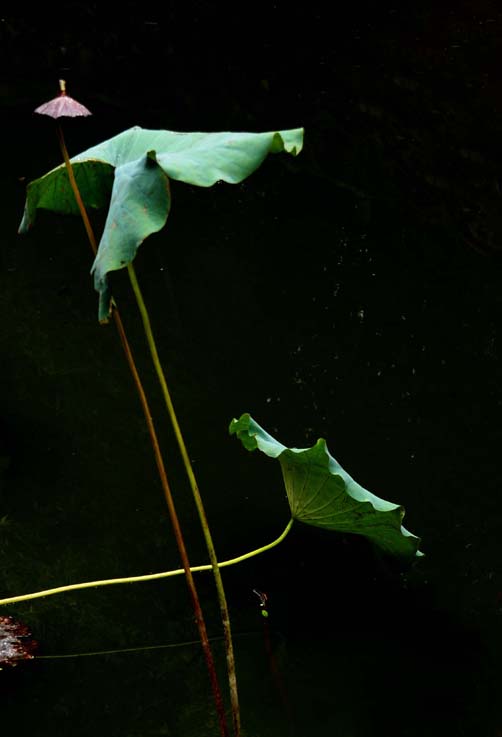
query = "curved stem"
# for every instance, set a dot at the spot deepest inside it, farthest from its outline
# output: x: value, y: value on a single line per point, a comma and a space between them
x: 147, y: 577
x: 225, y: 617
x: 76, y: 191
x: 199, y: 618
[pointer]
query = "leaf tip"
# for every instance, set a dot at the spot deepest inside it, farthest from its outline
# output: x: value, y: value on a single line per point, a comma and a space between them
x: 241, y: 428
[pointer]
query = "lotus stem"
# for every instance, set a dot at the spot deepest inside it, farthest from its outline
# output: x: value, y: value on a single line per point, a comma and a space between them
x: 225, y: 617
x: 147, y: 577
x: 199, y: 618
x: 76, y: 191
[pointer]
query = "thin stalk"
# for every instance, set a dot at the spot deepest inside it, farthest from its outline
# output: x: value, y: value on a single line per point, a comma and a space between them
x: 199, y: 618
x: 76, y: 191
x: 227, y: 631
x: 147, y: 577
x: 139, y: 649
x: 124, y: 650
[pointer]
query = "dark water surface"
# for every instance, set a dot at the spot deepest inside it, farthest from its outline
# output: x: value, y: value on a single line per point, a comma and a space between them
x: 316, y: 298
x: 279, y: 299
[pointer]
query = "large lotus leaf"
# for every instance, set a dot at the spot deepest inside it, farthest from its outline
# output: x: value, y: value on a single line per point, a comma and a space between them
x: 322, y: 494
x: 201, y: 159
x: 197, y: 158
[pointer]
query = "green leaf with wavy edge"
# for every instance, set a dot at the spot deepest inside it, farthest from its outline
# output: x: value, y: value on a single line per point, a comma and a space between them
x: 322, y: 494
x: 133, y: 169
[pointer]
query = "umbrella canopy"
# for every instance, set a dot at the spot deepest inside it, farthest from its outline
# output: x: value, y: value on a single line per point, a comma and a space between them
x: 63, y: 106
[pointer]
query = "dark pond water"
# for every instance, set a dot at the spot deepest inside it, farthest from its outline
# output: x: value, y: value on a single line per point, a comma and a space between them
x: 318, y: 300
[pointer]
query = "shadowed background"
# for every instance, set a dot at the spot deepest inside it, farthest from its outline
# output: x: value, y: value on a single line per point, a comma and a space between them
x: 352, y: 293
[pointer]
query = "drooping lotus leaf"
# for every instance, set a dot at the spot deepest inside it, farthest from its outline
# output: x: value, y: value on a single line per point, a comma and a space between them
x: 131, y: 171
x: 322, y: 494
x: 139, y: 207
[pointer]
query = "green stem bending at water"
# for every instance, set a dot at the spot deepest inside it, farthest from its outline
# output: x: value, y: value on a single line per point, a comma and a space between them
x: 147, y: 577
x: 225, y: 617
x: 199, y: 617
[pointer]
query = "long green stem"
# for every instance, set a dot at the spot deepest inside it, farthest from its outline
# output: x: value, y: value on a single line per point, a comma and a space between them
x: 199, y: 618
x: 147, y: 577
x: 225, y: 617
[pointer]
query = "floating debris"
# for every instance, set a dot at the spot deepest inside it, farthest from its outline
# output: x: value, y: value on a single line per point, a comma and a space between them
x: 16, y: 642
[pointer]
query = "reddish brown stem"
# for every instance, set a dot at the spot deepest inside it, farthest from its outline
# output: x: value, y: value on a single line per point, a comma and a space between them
x: 199, y: 617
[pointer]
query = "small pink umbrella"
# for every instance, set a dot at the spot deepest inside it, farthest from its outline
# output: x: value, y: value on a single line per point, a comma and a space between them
x: 63, y: 106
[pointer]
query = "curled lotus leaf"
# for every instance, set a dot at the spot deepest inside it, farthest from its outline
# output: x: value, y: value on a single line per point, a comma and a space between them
x: 321, y: 493
x: 130, y: 173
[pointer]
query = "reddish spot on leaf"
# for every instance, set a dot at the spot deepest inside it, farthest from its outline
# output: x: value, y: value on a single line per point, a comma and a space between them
x: 16, y: 642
